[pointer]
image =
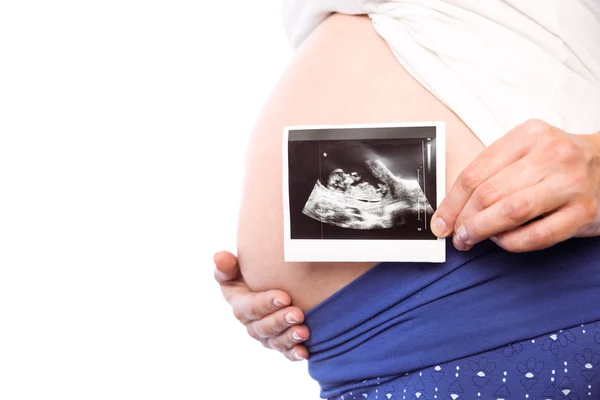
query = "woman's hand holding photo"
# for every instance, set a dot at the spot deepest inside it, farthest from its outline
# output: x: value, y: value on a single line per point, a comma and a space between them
x: 534, y: 187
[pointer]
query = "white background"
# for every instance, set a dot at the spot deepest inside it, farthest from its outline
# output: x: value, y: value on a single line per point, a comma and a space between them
x: 123, y: 127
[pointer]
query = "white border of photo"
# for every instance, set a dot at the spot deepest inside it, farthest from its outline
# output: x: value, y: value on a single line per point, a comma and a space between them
x: 348, y: 250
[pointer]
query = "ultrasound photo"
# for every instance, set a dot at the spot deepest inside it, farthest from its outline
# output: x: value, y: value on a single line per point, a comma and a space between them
x: 365, y: 188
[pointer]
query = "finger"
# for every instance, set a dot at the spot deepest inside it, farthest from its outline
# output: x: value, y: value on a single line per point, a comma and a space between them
x: 227, y: 270
x: 298, y: 353
x: 517, y: 176
x: 546, y: 232
x: 251, y: 306
x: 289, y: 339
x: 271, y: 326
x: 511, y: 212
x: 226, y: 266
x: 494, y: 158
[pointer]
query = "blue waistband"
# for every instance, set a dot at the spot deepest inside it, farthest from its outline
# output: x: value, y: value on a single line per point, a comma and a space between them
x: 400, y: 317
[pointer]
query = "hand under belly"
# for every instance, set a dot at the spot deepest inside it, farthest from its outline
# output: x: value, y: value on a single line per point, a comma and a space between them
x: 343, y: 74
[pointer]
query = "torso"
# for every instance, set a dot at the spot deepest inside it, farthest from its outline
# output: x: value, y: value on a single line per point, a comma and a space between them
x: 343, y: 74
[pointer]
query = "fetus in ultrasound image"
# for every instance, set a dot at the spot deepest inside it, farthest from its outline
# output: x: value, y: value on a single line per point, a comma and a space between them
x: 348, y: 202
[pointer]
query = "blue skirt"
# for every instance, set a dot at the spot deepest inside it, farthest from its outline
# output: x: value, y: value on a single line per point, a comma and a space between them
x: 486, y: 324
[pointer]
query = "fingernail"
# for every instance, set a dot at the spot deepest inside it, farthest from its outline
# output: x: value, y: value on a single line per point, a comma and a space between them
x: 494, y: 239
x: 279, y: 302
x: 458, y: 245
x: 439, y: 227
x: 291, y: 319
x: 297, y: 356
x: 220, y: 274
x: 463, y: 236
x: 296, y: 337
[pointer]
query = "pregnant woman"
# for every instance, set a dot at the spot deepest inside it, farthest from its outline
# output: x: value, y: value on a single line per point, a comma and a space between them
x: 514, y: 311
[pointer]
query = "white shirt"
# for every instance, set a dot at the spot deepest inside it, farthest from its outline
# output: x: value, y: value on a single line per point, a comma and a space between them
x: 495, y: 63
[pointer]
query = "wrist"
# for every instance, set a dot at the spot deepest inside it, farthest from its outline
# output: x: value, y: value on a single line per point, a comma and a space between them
x: 593, y: 140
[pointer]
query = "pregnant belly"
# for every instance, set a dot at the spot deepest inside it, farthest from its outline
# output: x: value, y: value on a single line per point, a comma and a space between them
x: 343, y: 74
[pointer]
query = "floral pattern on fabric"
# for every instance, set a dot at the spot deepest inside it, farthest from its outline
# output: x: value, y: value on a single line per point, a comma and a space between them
x: 562, y: 365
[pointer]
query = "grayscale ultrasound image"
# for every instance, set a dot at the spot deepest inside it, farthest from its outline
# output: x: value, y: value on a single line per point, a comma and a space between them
x: 348, y: 202
x: 362, y: 188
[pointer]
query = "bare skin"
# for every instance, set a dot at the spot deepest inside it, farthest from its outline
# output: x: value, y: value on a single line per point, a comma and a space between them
x: 267, y: 315
x: 344, y: 73
x: 535, y: 171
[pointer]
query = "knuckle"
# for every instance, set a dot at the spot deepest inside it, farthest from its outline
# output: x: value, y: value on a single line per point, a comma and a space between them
x: 278, y: 347
x: 486, y: 195
x: 577, y: 181
x: 259, y: 332
x: 253, y: 312
x: 588, y: 209
x: 508, y: 246
x: 266, y: 344
x: 514, y: 244
x: 517, y: 208
x: 272, y: 332
x: 447, y: 210
x: 471, y: 177
x: 275, y: 345
x: 267, y: 332
x: 239, y: 315
x: 539, y: 237
x: 264, y: 330
x: 536, y: 127
x: 514, y: 247
x: 252, y: 333
x: 561, y: 149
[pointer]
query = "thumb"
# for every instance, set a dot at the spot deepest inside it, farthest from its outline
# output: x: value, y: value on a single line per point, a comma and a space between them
x: 226, y: 266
